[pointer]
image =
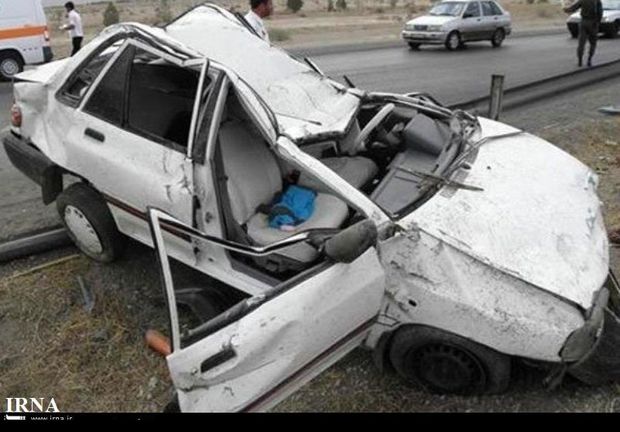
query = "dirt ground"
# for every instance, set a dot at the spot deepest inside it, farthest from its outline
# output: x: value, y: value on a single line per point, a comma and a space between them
x: 96, y: 360
x: 363, y: 21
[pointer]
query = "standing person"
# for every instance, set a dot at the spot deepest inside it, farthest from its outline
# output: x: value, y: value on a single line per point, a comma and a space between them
x: 259, y: 9
x: 591, y: 16
x: 75, y: 27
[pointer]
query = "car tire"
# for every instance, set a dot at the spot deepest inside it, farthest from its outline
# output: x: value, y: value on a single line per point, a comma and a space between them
x: 445, y: 363
x: 89, y: 223
x: 574, y: 34
x: 498, y: 38
x: 11, y: 63
x: 414, y: 46
x: 453, y: 41
x: 613, y: 32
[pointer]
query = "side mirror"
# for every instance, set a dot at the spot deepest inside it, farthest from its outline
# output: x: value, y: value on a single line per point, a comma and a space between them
x: 350, y: 243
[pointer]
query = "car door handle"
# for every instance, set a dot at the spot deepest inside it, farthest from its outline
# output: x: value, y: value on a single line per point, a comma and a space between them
x: 94, y: 134
x: 217, y: 359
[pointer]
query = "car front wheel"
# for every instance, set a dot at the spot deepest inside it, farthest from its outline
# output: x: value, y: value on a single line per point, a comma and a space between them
x: 445, y: 363
x: 498, y: 38
x: 89, y: 223
x: 453, y: 41
x: 613, y: 31
x: 414, y: 46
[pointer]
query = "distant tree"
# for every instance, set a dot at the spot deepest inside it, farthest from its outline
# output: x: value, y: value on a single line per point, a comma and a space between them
x: 163, y: 12
x: 341, y: 4
x: 294, y: 5
x: 110, y: 15
x: 330, y: 6
x: 393, y: 3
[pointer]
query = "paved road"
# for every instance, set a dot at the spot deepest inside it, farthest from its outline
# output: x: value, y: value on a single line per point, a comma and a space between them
x: 461, y: 75
x: 21, y: 209
x: 450, y: 76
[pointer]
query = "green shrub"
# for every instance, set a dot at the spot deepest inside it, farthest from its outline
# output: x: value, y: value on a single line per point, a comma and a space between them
x: 330, y: 6
x: 110, y: 15
x: 341, y: 4
x: 294, y: 5
x: 163, y: 12
x: 279, y: 35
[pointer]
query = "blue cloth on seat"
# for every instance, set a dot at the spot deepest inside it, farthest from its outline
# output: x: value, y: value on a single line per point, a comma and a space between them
x: 295, y: 206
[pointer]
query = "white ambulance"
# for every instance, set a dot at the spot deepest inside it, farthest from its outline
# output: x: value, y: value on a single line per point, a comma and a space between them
x: 24, y: 37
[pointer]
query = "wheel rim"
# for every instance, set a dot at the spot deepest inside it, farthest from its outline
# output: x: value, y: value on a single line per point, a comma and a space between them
x: 83, y: 231
x: 9, y: 67
x: 448, y: 369
x: 454, y: 41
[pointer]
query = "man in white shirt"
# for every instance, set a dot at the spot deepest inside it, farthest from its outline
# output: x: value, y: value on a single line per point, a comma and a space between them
x: 75, y: 27
x: 260, y: 9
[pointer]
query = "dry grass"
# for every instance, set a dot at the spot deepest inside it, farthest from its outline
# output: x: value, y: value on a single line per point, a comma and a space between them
x: 87, y: 362
x: 597, y: 144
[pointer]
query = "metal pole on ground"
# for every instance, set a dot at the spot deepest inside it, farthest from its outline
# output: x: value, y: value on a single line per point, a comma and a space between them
x: 497, y: 93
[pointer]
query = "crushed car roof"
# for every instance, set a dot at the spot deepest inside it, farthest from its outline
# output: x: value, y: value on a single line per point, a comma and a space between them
x: 301, y: 98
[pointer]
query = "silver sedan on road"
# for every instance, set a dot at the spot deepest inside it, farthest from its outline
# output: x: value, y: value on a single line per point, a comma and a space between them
x: 453, y: 23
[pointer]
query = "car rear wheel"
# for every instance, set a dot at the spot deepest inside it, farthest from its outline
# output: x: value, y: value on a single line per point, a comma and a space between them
x: 414, y: 45
x: 89, y: 223
x: 498, y: 38
x: 10, y: 64
x: 574, y: 33
x: 445, y: 363
x: 453, y: 41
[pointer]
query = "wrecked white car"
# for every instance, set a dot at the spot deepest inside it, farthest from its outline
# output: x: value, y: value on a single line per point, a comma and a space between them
x: 447, y: 244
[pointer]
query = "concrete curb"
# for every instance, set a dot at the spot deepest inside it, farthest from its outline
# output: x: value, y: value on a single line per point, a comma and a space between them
x: 310, y: 51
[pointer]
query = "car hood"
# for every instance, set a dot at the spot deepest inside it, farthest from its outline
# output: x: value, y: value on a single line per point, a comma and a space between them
x: 538, y: 217
x: 431, y: 20
x: 303, y: 101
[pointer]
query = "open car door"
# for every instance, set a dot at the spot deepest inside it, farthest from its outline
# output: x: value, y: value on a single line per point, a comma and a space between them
x: 265, y: 347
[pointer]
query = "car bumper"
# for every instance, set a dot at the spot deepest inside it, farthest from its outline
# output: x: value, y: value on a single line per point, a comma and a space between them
x: 604, y: 27
x: 424, y: 37
x: 602, y: 363
x: 34, y: 164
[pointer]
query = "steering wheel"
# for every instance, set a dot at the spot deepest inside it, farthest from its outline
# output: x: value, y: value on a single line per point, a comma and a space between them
x: 360, y: 142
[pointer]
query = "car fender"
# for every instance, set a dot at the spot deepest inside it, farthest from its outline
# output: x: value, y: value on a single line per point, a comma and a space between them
x: 431, y: 283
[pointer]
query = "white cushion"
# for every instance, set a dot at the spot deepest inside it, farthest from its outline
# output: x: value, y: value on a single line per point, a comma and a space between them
x: 329, y: 212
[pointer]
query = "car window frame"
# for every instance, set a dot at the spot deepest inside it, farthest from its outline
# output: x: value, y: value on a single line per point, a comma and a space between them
x: 137, y: 44
x: 478, y: 7
x: 61, y: 94
x: 500, y: 11
x: 490, y: 6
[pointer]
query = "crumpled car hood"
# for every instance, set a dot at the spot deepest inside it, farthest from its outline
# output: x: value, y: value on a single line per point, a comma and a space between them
x: 538, y: 217
x: 302, y: 99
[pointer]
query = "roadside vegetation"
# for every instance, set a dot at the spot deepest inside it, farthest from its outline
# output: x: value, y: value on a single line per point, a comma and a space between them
x: 297, y: 22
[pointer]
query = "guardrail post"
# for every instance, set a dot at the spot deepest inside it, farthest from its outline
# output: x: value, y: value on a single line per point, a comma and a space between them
x: 497, y: 93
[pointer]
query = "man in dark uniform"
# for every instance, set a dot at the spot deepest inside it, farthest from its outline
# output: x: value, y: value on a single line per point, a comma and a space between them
x: 591, y: 16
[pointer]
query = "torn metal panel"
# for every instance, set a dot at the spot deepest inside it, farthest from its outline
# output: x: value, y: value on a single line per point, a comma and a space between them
x: 432, y: 283
x: 302, y: 99
x: 538, y: 219
x: 283, y: 343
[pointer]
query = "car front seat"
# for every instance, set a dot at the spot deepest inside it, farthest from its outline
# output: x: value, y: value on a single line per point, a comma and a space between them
x: 254, y: 178
x: 355, y: 170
